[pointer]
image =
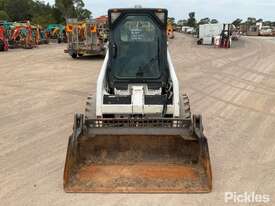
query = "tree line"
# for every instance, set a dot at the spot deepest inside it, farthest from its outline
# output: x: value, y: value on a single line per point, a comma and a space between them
x: 39, y: 12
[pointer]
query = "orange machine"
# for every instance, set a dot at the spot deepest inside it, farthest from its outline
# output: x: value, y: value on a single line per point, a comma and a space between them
x: 170, y: 31
x: 21, y: 36
x: 3, y: 41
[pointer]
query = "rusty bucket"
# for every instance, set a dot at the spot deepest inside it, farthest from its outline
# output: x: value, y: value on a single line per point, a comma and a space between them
x: 143, y: 160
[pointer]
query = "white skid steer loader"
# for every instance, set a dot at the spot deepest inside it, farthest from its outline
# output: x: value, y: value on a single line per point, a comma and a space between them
x: 138, y: 134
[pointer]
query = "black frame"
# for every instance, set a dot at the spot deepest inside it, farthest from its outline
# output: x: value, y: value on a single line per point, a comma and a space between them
x: 123, y: 83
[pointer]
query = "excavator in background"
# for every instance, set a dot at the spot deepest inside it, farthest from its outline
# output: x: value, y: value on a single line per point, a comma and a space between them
x: 21, y: 35
x: 88, y: 37
x: 43, y: 38
x: 3, y: 39
x: 39, y: 35
x: 57, y: 32
x: 170, y: 30
x: 138, y: 134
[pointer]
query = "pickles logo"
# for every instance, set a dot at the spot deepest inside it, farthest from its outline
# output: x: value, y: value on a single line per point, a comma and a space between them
x: 246, y: 197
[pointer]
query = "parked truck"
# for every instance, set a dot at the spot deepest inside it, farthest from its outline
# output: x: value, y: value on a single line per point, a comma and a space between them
x: 88, y: 37
x: 266, y: 31
x: 207, y: 32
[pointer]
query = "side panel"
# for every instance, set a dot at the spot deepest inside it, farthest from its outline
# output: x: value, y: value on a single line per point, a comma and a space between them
x: 208, y: 31
x: 100, y: 86
x: 175, y: 86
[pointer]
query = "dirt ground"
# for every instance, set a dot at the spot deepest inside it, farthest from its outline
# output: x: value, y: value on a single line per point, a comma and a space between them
x: 234, y: 90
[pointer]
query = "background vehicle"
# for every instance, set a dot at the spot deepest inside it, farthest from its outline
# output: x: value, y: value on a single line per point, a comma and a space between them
x: 215, y: 34
x: 266, y: 31
x: 208, y: 31
x: 57, y: 32
x: 21, y: 35
x: 87, y: 37
x: 170, y: 30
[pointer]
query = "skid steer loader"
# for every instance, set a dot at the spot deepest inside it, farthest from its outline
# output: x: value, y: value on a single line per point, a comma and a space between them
x: 137, y: 134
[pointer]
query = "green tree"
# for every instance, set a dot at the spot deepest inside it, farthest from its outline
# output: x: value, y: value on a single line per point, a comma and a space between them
x: 267, y: 23
x: 214, y: 21
x: 204, y: 21
x: 72, y: 9
x: 57, y: 15
x: 171, y: 20
x: 182, y: 22
x: 80, y: 12
x: 66, y: 7
x: 4, y: 16
x: 259, y: 20
x: 84, y: 14
x: 19, y: 13
x: 237, y: 22
x: 38, y: 12
x: 192, y: 20
x: 3, y: 4
x: 251, y: 20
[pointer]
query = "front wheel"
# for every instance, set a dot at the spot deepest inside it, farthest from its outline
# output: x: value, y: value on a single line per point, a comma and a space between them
x: 2, y: 45
x: 199, y: 42
x: 74, y: 55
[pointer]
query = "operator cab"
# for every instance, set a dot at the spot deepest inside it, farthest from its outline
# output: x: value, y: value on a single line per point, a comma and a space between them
x: 137, y: 49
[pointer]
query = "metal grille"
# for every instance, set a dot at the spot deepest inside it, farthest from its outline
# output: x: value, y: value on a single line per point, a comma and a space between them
x: 140, y: 123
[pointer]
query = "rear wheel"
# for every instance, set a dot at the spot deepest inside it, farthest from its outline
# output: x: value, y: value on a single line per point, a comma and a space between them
x: 74, y: 55
x: 90, y: 110
x: 199, y: 42
x: 2, y: 46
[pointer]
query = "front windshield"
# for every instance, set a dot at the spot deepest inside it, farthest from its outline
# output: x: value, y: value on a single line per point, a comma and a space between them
x: 137, y: 40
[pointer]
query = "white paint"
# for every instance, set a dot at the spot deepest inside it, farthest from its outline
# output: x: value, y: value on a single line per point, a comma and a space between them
x: 137, y: 106
x: 176, y: 89
x: 100, y: 90
x: 137, y: 99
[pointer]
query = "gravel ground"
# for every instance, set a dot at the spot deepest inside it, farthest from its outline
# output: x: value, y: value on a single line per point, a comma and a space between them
x: 234, y: 90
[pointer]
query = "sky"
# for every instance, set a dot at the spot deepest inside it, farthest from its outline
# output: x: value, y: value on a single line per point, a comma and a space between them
x: 224, y: 10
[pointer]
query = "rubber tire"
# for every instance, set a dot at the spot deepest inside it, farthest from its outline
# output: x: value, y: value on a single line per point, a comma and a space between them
x: 2, y: 45
x: 90, y: 110
x: 74, y: 55
x: 185, y: 109
x: 199, y: 42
